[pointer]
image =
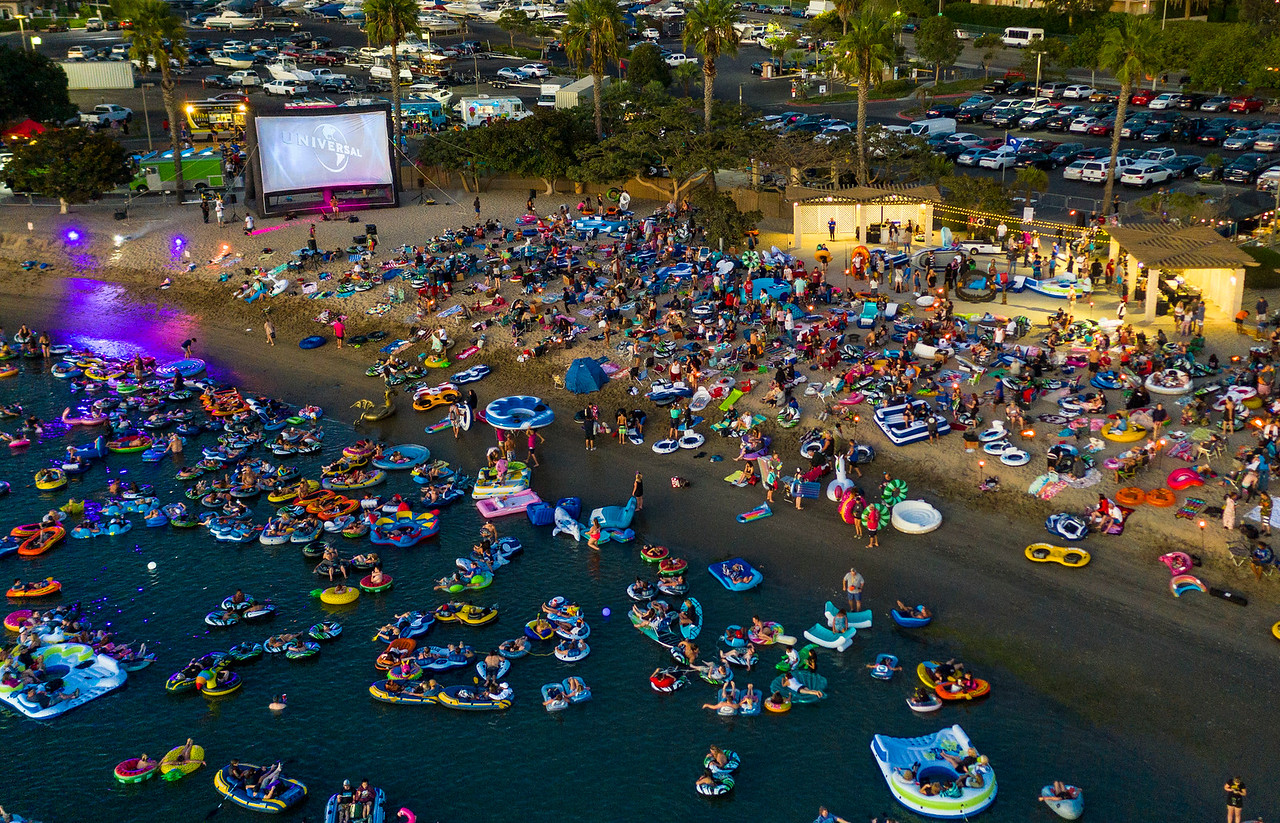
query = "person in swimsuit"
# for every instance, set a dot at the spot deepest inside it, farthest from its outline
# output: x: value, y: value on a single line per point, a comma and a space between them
x: 1236, y: 793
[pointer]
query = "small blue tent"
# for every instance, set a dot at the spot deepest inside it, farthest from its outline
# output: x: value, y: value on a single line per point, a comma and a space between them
x: 585, y: 375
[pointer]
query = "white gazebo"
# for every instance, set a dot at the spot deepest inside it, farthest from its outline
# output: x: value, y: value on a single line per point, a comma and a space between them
x: 1196, y: 256
x: 857, y: 208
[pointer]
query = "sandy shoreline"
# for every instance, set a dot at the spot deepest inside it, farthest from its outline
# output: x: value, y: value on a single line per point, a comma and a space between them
x: 1099, y: 641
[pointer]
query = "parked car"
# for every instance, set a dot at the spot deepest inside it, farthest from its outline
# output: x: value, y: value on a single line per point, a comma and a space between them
x: 1145, y: 174
x: 1212, y: 137
x: 286, y: 88
x: 1189, y: 101
x: 1035, y: 120
x: 1065, y: 153
x: 1167, y: 100
x: 965, y: 139
x: 1156, y: 133
x: 1246, y: 167
x: 1245, y: 105
x: 219, y: 81
x: 1208, y: 173
x: 1058, y: 122
x: 1054, y: 90
x: 942, y: 110
x: 1104, y: 96
x: 972, y: 115
x: 1183, y: 165
x: 1002, y: 158
x: 1103, y: 128
x: 1240, y: 141
x: 970, y: 157
x: 1033, y: 159
x: 1074, y: 169
x: 1078, y: 91
x: 535, y: 70
x: 679, y: 59
x: 1142, y: 97
x: 1083, y: 123
x: 1219, y: 102
x: 1267, y: 140
x: 1095, y: 171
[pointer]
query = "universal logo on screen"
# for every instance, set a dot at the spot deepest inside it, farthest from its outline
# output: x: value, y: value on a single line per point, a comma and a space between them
x: 329, y: 144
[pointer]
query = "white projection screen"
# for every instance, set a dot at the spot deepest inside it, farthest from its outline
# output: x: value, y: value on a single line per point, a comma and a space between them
x: 299, y: 152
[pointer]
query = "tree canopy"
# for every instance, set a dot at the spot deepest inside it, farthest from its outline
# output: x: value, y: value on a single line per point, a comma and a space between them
x: 74, y: 165
x: 648, y: 66
x: 32, y: 85
x: 936, y: 42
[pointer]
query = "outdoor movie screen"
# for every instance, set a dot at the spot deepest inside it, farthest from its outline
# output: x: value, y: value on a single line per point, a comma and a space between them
x: 334, y: 150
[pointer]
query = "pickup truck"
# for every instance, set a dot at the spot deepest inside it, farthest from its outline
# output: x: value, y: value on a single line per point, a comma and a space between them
x: 103, y: 114
x: 323, y: 75
x: 280, y: 24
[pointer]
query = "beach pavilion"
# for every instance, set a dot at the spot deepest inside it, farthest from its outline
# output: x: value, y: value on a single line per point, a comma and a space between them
x: 862, y: 212
x: 1181, y: 260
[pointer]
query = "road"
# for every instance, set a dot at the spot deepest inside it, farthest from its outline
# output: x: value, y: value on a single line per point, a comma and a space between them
x: 735, y: 82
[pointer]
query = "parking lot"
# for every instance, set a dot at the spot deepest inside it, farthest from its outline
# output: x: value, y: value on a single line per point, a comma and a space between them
x: 470, y: 67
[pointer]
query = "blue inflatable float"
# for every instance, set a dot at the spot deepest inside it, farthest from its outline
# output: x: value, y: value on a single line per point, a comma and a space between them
x: 736, y: 575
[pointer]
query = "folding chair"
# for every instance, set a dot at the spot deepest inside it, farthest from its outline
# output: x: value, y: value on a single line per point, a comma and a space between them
x: 1241, y: 552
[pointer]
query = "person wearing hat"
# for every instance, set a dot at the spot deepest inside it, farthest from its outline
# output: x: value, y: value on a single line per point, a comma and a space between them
x: 346, y: 802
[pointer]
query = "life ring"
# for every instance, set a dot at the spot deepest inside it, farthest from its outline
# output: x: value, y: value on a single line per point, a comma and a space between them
x: 614, y: 194
x: 691, y: 440
x: 1015, y: 457
x: 861, y: 252
x: 653, y: 554
x: 881, y: 522
x: 1131, y: 496
x: 894, y: 492
x: 313, y: 342
x: 666, y: 446
x: 1161, y: 498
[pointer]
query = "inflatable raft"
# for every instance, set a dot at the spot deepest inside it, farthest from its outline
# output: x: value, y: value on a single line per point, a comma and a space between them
x: 894, y: 755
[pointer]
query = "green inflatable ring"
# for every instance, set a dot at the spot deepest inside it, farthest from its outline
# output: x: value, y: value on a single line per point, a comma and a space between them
x: 614, y: 194
x: 895, y: 491
x: 884, y: 515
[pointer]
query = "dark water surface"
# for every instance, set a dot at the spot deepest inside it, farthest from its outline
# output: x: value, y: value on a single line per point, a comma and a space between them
x: 629, y: 754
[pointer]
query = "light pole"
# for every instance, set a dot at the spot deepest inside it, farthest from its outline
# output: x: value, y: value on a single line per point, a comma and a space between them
x: 1038, y: 56
x: 22, y: 31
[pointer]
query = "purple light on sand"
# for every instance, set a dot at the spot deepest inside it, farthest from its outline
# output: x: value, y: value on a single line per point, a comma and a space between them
x: 73, y: 236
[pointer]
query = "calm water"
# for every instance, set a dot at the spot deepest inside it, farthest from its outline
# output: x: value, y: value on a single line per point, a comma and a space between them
x: 627, y: 754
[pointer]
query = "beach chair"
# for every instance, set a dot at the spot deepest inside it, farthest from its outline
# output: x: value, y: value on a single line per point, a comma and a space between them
x: 1128, y: 473
x: 1241, y: 552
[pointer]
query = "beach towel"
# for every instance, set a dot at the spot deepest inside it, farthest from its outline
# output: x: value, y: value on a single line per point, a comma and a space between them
x: 1193, y: 506
x: 1050, y: 490
x: 1255, y: 514
x: 1183, y: 450
x: 449, y: 312
x: 1118, y: 526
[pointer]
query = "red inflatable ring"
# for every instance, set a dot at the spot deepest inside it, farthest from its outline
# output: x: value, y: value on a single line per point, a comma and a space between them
x: 1162, y: 498
x: 1184, y: 478
x: 1131, y: 496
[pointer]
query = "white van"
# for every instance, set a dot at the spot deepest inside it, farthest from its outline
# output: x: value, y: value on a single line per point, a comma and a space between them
x: 932, y: 126
x: 1021, y: 38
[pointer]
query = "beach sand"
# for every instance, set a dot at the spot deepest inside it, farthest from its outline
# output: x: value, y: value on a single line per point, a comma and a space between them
x: 1107, y: 641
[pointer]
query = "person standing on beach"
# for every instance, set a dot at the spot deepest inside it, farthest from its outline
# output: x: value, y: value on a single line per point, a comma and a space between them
x: 270, y: 329
x: 853, y: 583
x: 476, y: 205
x: 771, y: 478
x: 1236, y: 793
x: 339, y: 330
x: 1229, y: 512
x: 220, y: 211
x: 455, y: 420
x: 204, y: 209
x: 186, y: 347
x: 534, y: 438
x: 637, y: 491
x: 588, y: 427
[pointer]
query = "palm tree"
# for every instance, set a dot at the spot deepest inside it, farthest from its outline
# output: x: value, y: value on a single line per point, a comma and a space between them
x: 844, y: 10
x: 709, y: 29
x: 1031, y: 181
x: 1127, y: 52
x: 157, y: 36
x: 388, y: 21
x: 684, y: 75
x: 591, y: 32
x: 866, y: 49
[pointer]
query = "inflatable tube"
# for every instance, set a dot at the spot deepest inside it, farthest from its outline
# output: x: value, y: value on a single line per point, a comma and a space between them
x: 1072, y: 558
x: 1129, y: 435
x: 339, y: 595
x: 1068, y: 808
x: 518, y: 412
x: 1180, y: 584
x: 1183, y: 478
x: 313, y: 342
x: 666, y: 446
x: 1161, y: 498
x: 915, y: 517
x: 1131, y: 496
x: 1015, y: 457
x: 1067, y: 526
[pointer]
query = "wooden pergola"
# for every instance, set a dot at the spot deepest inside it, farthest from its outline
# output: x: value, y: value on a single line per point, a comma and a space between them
x: 1196, y: 256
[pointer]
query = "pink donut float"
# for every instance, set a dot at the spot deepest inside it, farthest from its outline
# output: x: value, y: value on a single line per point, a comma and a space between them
x: 848, y: 510
x: 853, y: 399
x: 1183, y: 478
